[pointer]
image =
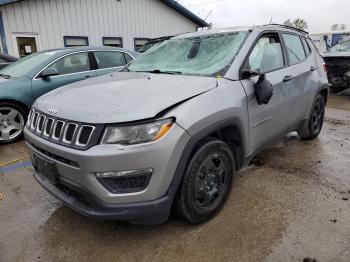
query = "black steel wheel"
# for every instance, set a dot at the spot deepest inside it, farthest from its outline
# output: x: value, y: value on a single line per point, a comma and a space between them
x: 206, y: 183
x: 315, y: 123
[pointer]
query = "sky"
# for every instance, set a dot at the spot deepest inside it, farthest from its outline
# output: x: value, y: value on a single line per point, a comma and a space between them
x: 319, y: 14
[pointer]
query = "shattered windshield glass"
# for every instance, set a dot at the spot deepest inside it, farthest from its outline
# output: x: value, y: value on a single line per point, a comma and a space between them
x: 342, y: 46
x: 206, y: 55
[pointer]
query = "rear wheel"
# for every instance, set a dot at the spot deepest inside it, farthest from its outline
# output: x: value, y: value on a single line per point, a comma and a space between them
x: 12, y: 121
x: 206, y: 183
x: 314, y: 125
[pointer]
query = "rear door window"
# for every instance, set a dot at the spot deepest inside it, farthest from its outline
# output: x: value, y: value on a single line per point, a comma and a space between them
x: 295, y: 49
x: 306, y: 47
x: 109, y: 59
x: 267, y: 55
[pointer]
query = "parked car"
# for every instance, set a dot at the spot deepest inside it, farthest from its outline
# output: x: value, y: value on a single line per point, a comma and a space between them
x: 152, y: 42
x: 172, y: 129
x: 338, y: 62
x: 27, y: 79
x: 6, y: 60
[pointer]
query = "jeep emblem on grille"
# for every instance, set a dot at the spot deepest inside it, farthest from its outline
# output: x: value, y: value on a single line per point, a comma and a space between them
x: 52, y: 110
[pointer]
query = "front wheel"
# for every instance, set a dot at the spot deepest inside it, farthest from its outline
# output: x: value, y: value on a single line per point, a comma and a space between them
x: 314, y: 125
x: 12, y: 121
x: 206, y: 183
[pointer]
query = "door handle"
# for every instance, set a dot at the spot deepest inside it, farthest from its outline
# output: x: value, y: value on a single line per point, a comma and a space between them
x: 313, y: 68
x: 287, y: 78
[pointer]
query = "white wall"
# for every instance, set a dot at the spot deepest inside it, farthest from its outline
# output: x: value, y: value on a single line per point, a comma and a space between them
x: 52, y: 19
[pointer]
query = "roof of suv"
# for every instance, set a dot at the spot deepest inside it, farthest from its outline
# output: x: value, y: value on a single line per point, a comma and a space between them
x: 242, y: 28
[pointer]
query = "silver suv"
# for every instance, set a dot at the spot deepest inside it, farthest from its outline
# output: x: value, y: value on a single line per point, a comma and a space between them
x: 172, y: 129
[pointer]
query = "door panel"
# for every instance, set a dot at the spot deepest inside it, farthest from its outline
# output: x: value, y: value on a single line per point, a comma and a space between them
x: 71, y: 68
x: 301, y: 71
x: 267, y: 120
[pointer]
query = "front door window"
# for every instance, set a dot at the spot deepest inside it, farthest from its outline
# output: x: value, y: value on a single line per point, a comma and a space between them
x: 267, y: 55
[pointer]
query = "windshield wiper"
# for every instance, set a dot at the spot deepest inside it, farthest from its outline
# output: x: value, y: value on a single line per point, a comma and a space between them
x: 157, y: 71
x: 5, y: 76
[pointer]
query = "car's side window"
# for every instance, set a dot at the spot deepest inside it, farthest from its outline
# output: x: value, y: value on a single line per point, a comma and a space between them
x: 306, y: 47
x: 295, y: 49
x: 70, y: 64
x: 128, y: 58
x: 267, y: 55
x: 109, y: 59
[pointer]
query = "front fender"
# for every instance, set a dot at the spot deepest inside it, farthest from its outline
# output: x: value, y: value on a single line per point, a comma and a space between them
x: 18, y: 90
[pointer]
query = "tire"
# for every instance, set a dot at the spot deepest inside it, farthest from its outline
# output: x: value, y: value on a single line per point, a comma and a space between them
x: 313, y: 126
x: 202, y: 193
x: 12, y: 122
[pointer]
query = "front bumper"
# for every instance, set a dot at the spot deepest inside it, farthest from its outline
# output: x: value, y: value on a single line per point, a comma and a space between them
x: 77, y: 173
x: 81, y: 200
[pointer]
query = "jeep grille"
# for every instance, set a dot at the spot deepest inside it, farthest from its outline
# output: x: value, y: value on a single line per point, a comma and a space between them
x: 63, y: 132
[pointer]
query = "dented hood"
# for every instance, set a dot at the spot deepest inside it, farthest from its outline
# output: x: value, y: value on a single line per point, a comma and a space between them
x: 122, y: 97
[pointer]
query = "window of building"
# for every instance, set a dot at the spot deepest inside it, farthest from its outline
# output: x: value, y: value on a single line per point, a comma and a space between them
x: 267, y: 55
x: 72, y: 41
x: 108, y: 59
x: 70, y: 64
x: 295, y: 49
x: 112, y: 41
x: 139, y: 42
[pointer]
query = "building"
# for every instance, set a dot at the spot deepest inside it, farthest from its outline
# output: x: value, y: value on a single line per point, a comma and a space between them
x: 27, y: 26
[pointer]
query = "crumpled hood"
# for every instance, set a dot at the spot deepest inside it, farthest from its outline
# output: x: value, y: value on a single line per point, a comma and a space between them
x: 122, y: 97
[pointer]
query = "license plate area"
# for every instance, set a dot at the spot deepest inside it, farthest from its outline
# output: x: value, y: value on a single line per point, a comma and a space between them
x: 46, y: 169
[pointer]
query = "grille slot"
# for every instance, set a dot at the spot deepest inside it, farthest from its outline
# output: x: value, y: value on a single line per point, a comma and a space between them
x: 69, y: 133
x: 40, y: 125
x: 29, y: 121
x: 57, y: 130
x: 48, y: 127
x: 35, y: 119
x: 84, y: 135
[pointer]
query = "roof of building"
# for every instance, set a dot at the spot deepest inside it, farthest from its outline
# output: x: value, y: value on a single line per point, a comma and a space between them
x: 185, y: 12
x: 171, y: 3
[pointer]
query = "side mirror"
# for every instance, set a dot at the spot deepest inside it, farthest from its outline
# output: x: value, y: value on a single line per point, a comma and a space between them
x: 247, y: 74
x: 49, y: 72
x: 263, y: 90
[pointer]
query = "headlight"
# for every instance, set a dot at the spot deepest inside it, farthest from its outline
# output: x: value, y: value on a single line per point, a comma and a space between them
x: 136, y: 134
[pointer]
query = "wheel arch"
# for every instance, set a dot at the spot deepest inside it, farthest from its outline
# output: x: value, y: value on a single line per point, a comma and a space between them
x: 221, y: 130
x: 16, y: 102
x: 324, y: 93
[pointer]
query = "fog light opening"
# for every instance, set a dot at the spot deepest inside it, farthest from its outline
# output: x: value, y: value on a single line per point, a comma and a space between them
x: 124, y: 173
x: 131, y: 181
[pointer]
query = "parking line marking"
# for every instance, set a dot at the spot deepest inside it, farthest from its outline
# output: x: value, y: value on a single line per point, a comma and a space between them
x: 17, y: 166
x: 14, y: 161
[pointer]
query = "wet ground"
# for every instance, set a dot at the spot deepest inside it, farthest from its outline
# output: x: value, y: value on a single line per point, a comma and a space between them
x: 292, y: 203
